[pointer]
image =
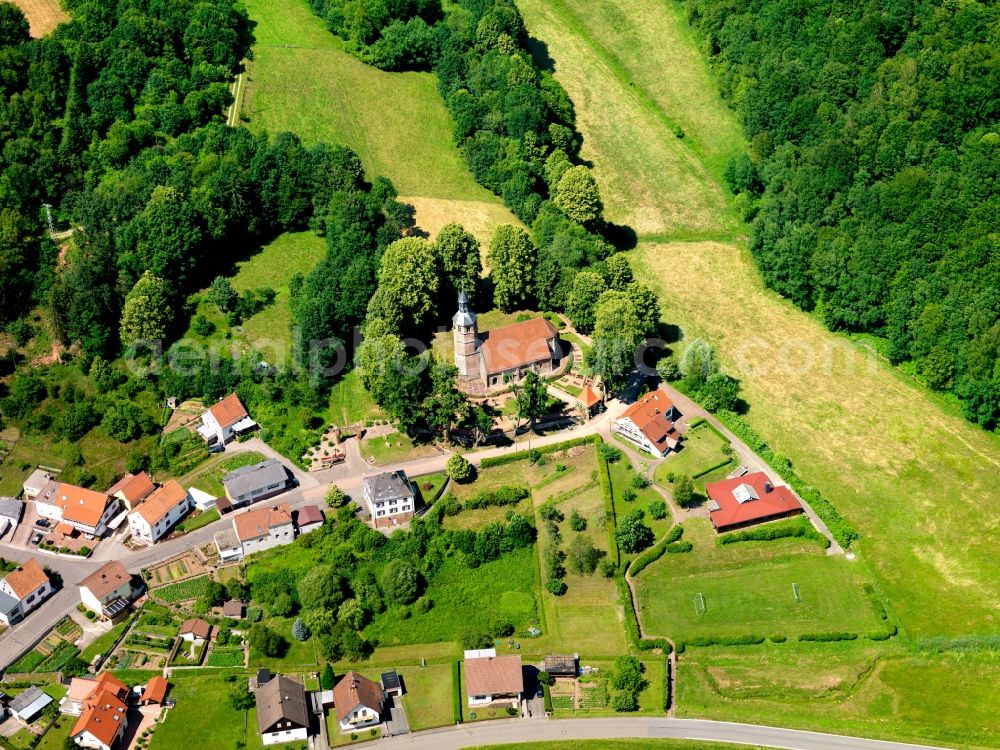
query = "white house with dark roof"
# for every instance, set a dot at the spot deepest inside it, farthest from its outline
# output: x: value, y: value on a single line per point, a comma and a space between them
x: 26, y: 706
x: 282, y: 711
x: 225, y: 420
x: 107, y: 591
x: 390, y: 498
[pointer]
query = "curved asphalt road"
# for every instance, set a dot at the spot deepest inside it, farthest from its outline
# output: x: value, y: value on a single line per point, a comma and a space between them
x: 537, y: 730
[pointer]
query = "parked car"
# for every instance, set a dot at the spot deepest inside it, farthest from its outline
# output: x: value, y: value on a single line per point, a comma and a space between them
x: 43, y: 523
x: 216, y: 448
x: 36, y: 538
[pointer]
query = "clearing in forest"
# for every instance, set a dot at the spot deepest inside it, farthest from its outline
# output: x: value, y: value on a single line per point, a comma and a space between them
x: 903, y: 467
x: 43, y: 15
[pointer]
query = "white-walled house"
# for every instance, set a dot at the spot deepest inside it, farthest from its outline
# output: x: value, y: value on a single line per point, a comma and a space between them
x: 492, y: 679
x: 87, y: 511
x: 359, y: 702
x: 390, y: 498
x: 22, y: 590
x: 649, y: 424
x: 263, y: 528
x: 282, y: 711
x: 161, y: 511
x: 108, y: 590
x: 225, y: 420
x: 103, y: 720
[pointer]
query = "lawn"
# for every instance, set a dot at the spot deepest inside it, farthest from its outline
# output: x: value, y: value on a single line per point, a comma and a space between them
x: 198, y: 519
x: 209, y: 477
x: 848, y: 688
x: 350, y: 403
x: 747, y: 588
x: 703, y: 451
x: 104, y: 642
x: 430, y: 485
x: 428, y: 700
x: 851, y: 424
x: 299, y: 653
x: 463, y: 598
x: 622, y: 481
x: 394, y: 448
x: 202, y: 716
x: 269, y: 331
x: 302, y: 80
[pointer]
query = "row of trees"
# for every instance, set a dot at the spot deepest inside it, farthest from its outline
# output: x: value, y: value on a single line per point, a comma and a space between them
x: 873, y: 177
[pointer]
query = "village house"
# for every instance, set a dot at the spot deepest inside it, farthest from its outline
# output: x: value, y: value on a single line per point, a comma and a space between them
x: 22, y: 590
x: 225, y: 420
x: 308, y: 518
x: 358, y: 701
x: 195, y: 631
x: 590, y: 401
x: 228, y: 545
x: 103, y: 718
x: 251, y: 484
x: 84, y: 511
x: 10, y: 513
x: 263, y: 528
x: 649, y: 424
x: 132, y: 489
x: 82, y: 689
x: 390, y: 498
x: 155, y: 517
x: 282, y: 711
x: 493, y: 679
x: 504, y: 354
x: 750, y: 499
x: 108, y: 591
x: 27, y: 705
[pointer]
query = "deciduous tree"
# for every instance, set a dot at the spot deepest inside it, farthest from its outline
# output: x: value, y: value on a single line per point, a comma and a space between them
x: 512, y: 256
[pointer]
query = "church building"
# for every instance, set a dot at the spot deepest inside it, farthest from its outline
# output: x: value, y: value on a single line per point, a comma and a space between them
x: 503, y: 355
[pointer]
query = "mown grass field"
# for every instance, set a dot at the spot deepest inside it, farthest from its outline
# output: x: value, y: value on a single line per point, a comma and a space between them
x: 702, y: 451
x: 43, y: 15
x: 848, y: 688
x: 747, y: 589
x: 909, y: 472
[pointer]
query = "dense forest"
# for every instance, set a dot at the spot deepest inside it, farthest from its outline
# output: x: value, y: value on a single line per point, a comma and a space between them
x: 873, y: 178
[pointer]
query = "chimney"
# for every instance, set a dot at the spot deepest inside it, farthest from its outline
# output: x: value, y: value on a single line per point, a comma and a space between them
x: 767, y: 487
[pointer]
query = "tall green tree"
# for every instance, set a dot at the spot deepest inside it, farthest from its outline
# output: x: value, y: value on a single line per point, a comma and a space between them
x: 578, y: 195
x: 461, y: 260
x: 147, y: 313
x: 532, y: 398
x: 581, y: 307
x: 618, y: 332
x: 512, y: 256
x: 408, y: 283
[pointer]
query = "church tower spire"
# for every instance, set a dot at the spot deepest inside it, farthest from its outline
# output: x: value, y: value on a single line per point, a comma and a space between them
x: 466, y: 339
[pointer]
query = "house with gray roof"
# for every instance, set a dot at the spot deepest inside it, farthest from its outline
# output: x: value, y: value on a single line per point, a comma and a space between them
x: 390, y: 498
x: 250, y: 484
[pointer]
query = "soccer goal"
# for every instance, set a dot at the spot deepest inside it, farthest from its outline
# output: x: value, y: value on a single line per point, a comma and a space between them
x: 796, y: 593
x: 699, y: 603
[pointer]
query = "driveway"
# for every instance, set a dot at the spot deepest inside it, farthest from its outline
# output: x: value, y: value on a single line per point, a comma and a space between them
x: 502, y: 732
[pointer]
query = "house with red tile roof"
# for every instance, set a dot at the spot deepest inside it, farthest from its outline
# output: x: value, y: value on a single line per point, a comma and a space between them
x: 154, y: 518
x: 82, y: 689
x: 22, y: 590
x: 747, y: 500
x: 492, y: 679
x: 132, y: 489
x: 649, y: 424
x: 503, y: 354
x: 308, y: 518
x: 225, y: 420
x: 87, y: 511
x: 358, y: 702
x: 102, y: 722
x: 263, y: 528
x: 155, y: 691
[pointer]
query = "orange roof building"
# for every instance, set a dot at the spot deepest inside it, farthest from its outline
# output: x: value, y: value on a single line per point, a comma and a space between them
x: 102, y: 721
x: 82, y: 689
x: 225, y: 419
x: 154, y: 692
x: 263, y: 528
x: 649, y: 423
x: 25, y: 580
x: 86, y: 510
x: 151, y: 520
x: 132, y: 489
x: 750, y: 499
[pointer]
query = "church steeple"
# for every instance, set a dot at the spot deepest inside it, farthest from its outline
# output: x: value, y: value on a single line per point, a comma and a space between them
x: 466, y: 338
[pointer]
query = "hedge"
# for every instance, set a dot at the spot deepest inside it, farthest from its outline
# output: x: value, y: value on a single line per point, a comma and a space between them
x: 547, y: 698
x: 632, y: 622
x: 667, y: 679
x: 679, y: 547
x: 510, y: 458
x: 827, y: 637
x: 604, y: 476
x: 771, y: 532
x: 456, y: 691
x: 509, y: 495
x: 750, y: 639
x: 842, y: 531
x: 724, y: 462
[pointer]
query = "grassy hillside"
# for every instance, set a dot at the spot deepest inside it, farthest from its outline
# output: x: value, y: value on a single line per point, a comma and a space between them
x: 910, y: 474
x: 302, y: 80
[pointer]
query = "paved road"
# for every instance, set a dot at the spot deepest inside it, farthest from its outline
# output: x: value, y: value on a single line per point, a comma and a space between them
x: 496, y: 732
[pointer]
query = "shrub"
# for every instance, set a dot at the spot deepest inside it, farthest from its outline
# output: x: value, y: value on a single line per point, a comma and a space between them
x: 629, y: 496
x: 657, y: 510
x: 459, y: 469
x: 510, y: 495
x: 606, y: 568
x: 555, y: 586
x: 254, y: 614
x: 577, y: 522
x: 679, y: 547
x: 827, y: 637
x: 640, y: 482
x: 609, y: 453
x: 770, y: 532
x: 777, y: 638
